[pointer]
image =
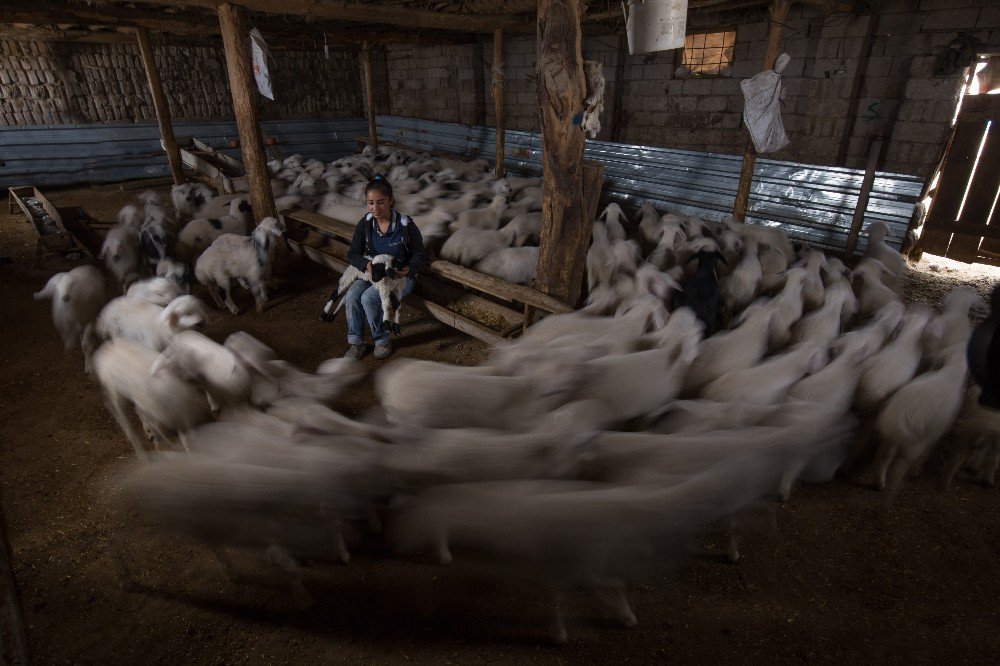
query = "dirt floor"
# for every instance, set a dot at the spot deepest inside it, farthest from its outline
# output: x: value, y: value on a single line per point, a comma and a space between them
x: 838, y: 577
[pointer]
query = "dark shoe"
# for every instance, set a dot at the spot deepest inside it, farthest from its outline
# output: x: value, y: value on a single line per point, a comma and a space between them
x: 383, y: 351
x: 357, y: 351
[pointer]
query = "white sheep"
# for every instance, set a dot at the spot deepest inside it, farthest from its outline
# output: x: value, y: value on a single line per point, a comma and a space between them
x: 166, y: 404
x: 247, y: 259
x: 177, y: 272
x: 731, y: 351
x: 879, y: 250
x: 389, y: 285
x: 157, y: 290
x: 482, y: 218
x: 889, y: 369
x: 200, y: 360
x: 188, y: 198
x: 149, y: 324
x: 786, y: 308
x: 468, y: 245
x: 77, y: 298
x: 952, y: 326
x: 120, y: 252
x: 825, y: 324
x: 513, y: 264
x: 768, y: 382
x: 873, y: 293
x: 979, y: 429
x: 200, y: 232
x: 742, y: 285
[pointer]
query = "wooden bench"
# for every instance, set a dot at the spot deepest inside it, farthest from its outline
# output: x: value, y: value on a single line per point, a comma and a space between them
x: 445, y: 290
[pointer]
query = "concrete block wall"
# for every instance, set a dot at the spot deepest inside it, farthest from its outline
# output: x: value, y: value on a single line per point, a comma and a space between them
x: 434, y: 82
x: 47, y: 83
x: 898, y: 94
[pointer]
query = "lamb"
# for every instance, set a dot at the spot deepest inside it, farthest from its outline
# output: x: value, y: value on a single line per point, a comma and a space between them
x: 738, y: 349
x: 980, y: 439
x: 469, y: 245
x: 873, y: 293
x: 77, y: 298
x: 197, y: 359
x: 889, y: 369
x: 916, y: 417
x: 513, y: 264
x: 767, y: 383
x: 201, y: 232
x: 482, y: 218
x: 701, y: 291
x: 834, y: 385
x: 787, y: 308
x: 248, y: 259
x: 148, y: 324
x: 165, y: 404
x: 390, y: 288
x: 175, y: 271
x: 952, y: 326
x: 120, y: 253
x: 879, y: 250
x: 741, y: 286
x: 159, y: 291
x: 824, y: 324
x: 188, y: 198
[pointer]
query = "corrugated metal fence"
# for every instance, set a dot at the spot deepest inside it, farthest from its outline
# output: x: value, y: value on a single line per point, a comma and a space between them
x: 75, y: 154
x: 812, y: 203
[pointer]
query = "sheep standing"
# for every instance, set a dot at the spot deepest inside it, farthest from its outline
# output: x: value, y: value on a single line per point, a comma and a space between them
x: 237, y: 257
x: 148, y: 324
x: 77, y: 298
x: 120, y: 252
x: 201, y: 232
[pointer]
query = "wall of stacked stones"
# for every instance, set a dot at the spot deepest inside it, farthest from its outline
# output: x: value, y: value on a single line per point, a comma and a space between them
x: 899, y: 95
x: 47, y: 83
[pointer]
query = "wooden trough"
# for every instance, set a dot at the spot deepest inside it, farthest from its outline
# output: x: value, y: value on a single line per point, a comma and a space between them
x: 223, y: 171
x: 48, y: 222
x: 480, y: 305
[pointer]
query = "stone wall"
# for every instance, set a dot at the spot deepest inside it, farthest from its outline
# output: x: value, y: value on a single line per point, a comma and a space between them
x: 898, y: 94
x: 45, y: 83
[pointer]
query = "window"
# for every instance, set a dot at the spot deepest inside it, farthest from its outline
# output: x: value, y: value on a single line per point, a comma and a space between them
x: 708, y: 54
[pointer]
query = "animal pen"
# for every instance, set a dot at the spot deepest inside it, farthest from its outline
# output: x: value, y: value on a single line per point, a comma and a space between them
x: 657, y: 334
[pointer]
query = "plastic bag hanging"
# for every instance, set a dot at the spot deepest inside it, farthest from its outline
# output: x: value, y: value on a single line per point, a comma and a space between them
x: 762, y: 107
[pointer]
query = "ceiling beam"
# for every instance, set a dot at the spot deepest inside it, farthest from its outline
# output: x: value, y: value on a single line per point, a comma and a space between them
x: 369, y: 13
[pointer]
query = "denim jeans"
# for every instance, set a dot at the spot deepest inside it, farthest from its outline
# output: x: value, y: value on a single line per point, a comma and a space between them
x: 363, y: 302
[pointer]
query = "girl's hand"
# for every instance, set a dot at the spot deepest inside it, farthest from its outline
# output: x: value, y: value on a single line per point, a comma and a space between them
x: 369, y: 268
x: 404, y: 271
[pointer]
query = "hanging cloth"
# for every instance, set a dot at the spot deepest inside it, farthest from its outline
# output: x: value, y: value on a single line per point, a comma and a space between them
x: 762, y: 108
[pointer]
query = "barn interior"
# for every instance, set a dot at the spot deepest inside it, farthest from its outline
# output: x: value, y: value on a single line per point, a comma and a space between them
x: 667, y: 387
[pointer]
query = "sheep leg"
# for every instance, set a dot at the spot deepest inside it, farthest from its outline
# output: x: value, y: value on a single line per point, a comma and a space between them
x: 88, y: 343
x: 259, y: 291
x: 887, y: 454
x: 227, y: 294
x: 340, y: 544
x: 444, y: 554
x: 611, y: 592
x: 732, y: 539
x: 280, y: 558
x: 897, y: 472
x: 988, y: 468
x: 963, y: 451
x: 214, y: 290
x: 116, y: 405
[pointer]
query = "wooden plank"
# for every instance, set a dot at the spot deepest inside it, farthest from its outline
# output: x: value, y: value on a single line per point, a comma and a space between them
x: 236, y: 40
x: 561, y: 90
x: 445, y: 269
x: 979, y: 201
x: 160, y: 105
x: 874, y: 151
x: 439, y: 312
x: 366, y: 61
x: 951, y: 187
x: 974, y: 230
x: 778, y: 18
x: 497, y: 90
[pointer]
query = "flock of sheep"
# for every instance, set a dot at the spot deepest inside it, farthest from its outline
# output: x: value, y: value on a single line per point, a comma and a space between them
x: 714, y: 366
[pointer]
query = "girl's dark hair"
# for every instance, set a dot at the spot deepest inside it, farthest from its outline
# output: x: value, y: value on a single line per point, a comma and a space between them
x: 380, y: 185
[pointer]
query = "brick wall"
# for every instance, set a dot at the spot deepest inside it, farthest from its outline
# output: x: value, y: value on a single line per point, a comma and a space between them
x: 898, y: 95
x: 44, y: 83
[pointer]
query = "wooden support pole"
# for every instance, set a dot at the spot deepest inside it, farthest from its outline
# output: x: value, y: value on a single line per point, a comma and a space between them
x: 497, y: 90
x: 874, y: 153
x: 161, y: 106
x: 616, y: 106
x: 366, y: 60
x: 561, y: 91
x: 778, y: 17
x: 236, y: 40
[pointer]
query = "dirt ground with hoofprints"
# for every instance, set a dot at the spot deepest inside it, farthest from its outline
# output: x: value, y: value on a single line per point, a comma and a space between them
x: 836, y: 576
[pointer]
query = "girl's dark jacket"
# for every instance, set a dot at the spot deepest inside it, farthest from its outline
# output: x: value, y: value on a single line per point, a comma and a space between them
x: 361, y: 251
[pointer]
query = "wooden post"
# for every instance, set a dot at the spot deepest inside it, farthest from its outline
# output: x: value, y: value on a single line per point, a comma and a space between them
x: 616, y: 106
x: 161, y: 107
x: 874, y: 152
x: 236, y: 41
x: 561, y: 91
x: 778, y: 16
x: 497, y: 90
x: 366, y: 60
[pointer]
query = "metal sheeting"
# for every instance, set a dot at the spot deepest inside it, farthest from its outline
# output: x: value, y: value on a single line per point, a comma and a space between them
x: 811, y: 203
x: 73, y: 154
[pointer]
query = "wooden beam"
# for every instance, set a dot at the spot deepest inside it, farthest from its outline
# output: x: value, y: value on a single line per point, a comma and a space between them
x: 778, y: 17
x: 874, y: 153
x: 366, y: 60
x: 561, y: 91
x: 497, y: 90
x: 161, y: 106
x: 236, y: 39
x: 369, y: 13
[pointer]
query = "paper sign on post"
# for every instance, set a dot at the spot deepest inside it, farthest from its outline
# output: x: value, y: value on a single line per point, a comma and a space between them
x: 258, y: 48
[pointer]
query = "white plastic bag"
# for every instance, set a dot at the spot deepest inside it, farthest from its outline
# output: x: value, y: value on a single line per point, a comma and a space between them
x: 762, y: 108
x: 258, y: 49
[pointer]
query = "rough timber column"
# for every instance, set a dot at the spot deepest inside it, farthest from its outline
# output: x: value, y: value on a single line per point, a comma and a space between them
x: 161, y: 106
x: 497, y: 90
x: 236, y: 41
x: 561, y: 91
x: 366, y: 60
x: 778, y: 18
